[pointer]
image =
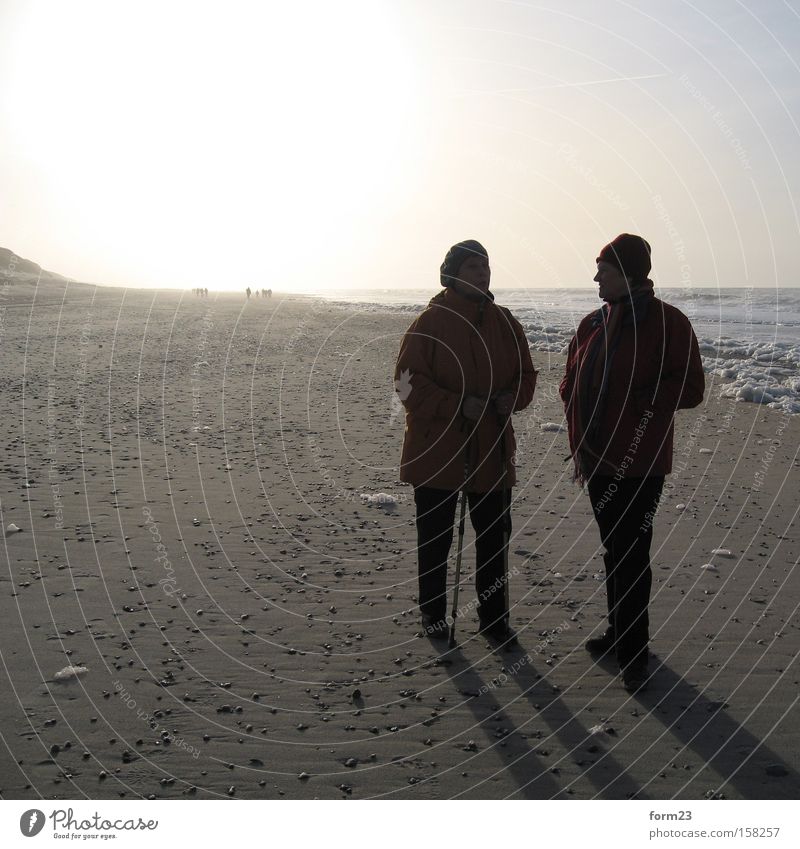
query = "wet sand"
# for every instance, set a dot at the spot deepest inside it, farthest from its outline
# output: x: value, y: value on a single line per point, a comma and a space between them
x: 188, y: 474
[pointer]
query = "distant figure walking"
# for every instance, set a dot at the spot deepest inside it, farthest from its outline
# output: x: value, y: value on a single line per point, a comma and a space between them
x: 630, y: 366
x: 464, y: 367
x: 248, y: 293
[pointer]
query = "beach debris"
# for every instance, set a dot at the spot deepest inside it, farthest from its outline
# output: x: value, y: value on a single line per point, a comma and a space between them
x: 11, y: 528
x: 713, y: 794
x: 304, y: 776
x: 722, y: 552
x: 552, y: 427
x: 70, y: 673
x: 710, y: 566
x: 380, y: 499
x: 351, y: 763
x: 706, y: 451
x: 680, y: 506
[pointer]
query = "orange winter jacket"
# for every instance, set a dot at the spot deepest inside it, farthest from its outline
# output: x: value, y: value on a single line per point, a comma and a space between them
x: 459, y: 347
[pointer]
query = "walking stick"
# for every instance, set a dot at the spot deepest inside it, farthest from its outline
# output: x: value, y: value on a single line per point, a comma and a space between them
x: 460, y: 546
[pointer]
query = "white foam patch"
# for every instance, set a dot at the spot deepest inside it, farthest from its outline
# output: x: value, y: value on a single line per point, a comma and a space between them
x: 70, y: 672
x: 759, y: 372
x: 382, y: 499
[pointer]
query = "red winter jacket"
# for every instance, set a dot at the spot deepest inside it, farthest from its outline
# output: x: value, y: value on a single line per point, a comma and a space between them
x: 449, y: 352
x: 655, y: 370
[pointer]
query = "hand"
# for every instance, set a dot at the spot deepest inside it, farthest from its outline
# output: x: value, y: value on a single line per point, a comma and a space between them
x: 504, y: 404
x: 473, y: 407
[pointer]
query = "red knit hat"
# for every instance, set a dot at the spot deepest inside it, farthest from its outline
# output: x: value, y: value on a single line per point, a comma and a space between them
x: 630, y: 254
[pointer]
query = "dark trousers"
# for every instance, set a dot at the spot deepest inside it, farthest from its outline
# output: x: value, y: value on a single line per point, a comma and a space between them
x: 436, y: 509
x: 624, y: 510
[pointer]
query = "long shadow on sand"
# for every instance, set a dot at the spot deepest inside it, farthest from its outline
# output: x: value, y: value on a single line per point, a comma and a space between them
x: 603, y: 771
x: 524, y: 765
x: 704, y: 726
x: 533, y: 776
x: 700, y: 724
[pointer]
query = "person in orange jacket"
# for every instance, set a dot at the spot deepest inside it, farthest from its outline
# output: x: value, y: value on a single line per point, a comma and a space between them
x: 631, y: 365
x: 464, y: 367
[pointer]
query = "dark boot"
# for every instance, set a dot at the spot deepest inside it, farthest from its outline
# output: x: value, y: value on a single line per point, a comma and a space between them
x: 500, y: 632
x: 434, y: 627
x: 602, y: 645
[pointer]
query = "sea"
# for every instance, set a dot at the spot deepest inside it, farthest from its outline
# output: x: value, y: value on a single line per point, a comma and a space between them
x: 749, y: 337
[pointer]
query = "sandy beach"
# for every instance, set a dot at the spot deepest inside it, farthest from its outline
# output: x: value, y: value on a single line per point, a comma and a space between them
x: 194, y: 481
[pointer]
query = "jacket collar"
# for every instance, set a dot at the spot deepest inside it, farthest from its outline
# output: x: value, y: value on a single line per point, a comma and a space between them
x: 634, y: 306
x: 465, y: 307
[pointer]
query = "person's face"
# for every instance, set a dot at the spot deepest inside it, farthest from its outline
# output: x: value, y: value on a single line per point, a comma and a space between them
x: 473, y: 276
x: 613, y: 285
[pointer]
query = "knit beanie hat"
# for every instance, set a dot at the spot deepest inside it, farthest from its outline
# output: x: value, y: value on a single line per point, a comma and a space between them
x: 455, y: 258
x: 630, y: 254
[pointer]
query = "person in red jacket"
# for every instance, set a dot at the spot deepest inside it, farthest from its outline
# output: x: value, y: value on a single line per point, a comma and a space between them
x: 464, y: 367
x: 631, y: 365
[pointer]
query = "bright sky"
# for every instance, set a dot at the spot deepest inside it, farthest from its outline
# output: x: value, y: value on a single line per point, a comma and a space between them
x: 305, y: 145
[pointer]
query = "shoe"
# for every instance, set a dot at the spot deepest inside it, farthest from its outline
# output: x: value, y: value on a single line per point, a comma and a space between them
x: 601, y: 645
x: 434, y: 627
x: 635, y: 677
x: 500, y: 632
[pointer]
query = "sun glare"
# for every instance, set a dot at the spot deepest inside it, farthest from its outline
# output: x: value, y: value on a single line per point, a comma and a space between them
x: 184, y: 145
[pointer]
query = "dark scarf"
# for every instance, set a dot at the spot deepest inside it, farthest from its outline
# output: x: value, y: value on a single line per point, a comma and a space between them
x: 594, y: 373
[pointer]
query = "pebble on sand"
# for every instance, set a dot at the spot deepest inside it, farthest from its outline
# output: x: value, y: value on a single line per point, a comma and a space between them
x: 722, y: 552
x: 11, y: 528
